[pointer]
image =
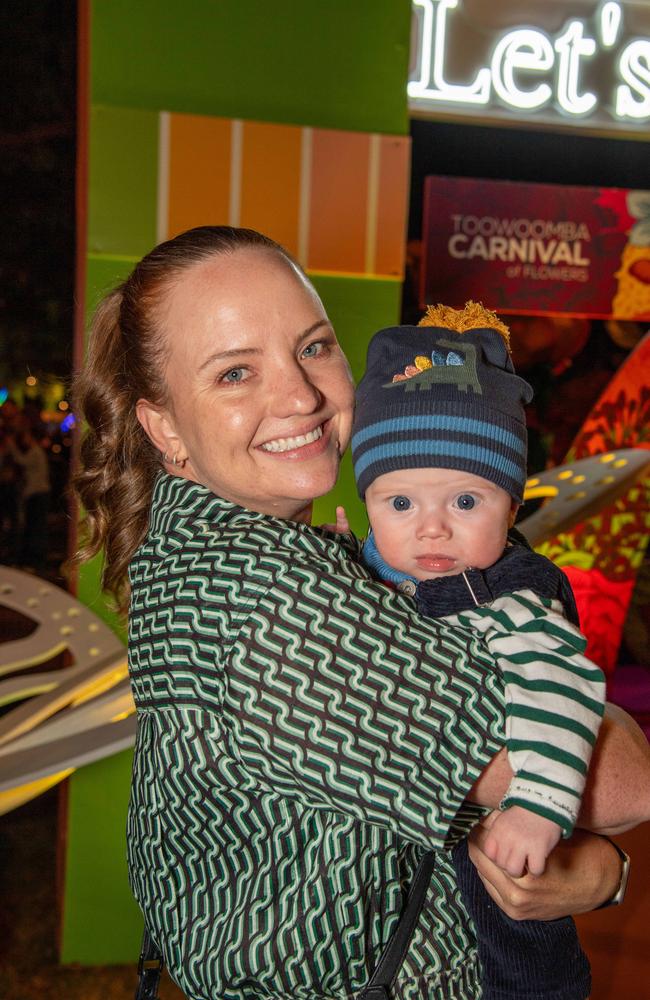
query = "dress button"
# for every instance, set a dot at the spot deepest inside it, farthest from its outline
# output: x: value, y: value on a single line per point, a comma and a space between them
x: 407, y: 587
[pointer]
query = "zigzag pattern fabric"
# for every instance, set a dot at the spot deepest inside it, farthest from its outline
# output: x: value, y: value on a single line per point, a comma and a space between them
x: 303, y: 736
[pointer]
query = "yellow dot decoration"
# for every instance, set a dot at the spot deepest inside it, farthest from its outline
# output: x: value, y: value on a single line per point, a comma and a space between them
x: 567, y: 474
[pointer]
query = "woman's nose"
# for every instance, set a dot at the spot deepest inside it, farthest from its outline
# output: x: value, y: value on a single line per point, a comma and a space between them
x: 295, y: 393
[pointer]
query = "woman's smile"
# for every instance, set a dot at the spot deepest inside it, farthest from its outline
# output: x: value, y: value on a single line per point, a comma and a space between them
x: 295, y: 443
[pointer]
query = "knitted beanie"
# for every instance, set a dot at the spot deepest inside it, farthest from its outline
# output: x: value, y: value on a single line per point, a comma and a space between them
x: 442, y: 395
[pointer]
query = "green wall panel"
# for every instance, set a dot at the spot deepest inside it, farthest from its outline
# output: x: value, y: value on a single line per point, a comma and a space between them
x: 101, y: 921
x: 328, y: 63
x: 358, y: 307
x: 123, y: 181
x: 104, y: 272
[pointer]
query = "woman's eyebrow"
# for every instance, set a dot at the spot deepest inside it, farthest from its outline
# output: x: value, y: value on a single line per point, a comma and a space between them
x: 312, y: 329
x: 236, y: 352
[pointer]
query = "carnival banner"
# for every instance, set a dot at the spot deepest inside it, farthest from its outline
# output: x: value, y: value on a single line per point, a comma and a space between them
x: 537, y: 248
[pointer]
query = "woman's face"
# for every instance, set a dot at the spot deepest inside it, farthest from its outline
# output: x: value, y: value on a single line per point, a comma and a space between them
x: 260, y: 393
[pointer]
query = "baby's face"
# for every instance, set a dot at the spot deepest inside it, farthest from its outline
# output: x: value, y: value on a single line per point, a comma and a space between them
x: 438, y: 522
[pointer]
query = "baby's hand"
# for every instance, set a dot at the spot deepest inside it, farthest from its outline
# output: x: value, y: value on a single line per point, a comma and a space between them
x: 520, y: 841
x: 342, y: 526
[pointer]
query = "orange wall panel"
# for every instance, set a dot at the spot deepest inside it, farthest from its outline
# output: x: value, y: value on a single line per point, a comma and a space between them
x: 270, y: 181
x: 339, y: 197
x: 199, y: 172
x: 392, y: 205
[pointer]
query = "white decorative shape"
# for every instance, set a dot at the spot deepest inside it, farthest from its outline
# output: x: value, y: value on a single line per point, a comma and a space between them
x: 236, y: 160
x: 566, y: 507
x: 164, y: 143
x: 306, y: 144
x: 611, y: 19
x: 66, y: 717
x: 372, y: 205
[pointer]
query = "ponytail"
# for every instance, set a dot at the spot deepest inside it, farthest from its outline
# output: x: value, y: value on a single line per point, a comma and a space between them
x: 118, y: 462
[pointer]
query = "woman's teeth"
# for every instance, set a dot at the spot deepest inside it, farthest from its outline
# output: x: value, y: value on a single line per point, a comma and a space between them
x: 289, y: 444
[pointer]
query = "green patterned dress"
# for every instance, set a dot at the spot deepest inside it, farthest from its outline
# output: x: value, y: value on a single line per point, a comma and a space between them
x: 303, y: 736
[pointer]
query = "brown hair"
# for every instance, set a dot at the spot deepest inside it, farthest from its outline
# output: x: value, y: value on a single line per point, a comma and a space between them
x: 125, y: 363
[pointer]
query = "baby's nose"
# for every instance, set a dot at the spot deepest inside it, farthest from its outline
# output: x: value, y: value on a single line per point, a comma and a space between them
x: 434, y: 525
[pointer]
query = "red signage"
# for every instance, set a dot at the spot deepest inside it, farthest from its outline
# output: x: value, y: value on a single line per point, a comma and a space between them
x: 537, y: 248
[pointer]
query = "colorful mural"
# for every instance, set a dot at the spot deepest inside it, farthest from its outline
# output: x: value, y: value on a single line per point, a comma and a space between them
x: 602, y: 555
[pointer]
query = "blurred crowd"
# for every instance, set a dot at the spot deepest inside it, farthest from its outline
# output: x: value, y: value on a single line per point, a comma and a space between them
x: 34, y: 459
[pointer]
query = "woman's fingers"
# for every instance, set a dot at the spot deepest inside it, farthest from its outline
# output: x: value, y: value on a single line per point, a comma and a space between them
x: 580, y: 874
x: 342, y: 524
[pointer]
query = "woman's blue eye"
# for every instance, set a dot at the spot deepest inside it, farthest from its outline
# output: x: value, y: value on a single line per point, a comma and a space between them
x: 234, y: 375
x: 466, y: 501
x: 401, y: 503
x: 312, y: 349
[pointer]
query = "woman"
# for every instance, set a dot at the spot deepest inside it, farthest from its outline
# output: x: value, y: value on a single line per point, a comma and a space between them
x: 303, y: 736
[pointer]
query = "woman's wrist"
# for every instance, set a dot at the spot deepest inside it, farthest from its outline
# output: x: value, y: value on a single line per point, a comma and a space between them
x: 616, y: 874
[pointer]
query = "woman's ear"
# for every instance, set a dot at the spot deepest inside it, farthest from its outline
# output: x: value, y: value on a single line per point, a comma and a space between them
x: 160, y: 430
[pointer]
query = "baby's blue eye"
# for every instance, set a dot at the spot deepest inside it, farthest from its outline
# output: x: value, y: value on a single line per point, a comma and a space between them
x: 466, y: 501
x: 401, y: 503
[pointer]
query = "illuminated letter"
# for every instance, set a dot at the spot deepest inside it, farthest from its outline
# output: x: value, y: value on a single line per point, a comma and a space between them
x: 522, y: 49
x: 610, y: 23
x: 634, y: 67
x: 431, y: 84
x: 572, y: 46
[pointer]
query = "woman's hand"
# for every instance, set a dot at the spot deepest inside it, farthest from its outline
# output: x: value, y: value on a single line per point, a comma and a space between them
x: 342, y: 526
x: 581, y: 873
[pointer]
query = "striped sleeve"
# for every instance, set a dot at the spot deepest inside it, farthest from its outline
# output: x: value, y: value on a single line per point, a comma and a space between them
x: 554, y: 702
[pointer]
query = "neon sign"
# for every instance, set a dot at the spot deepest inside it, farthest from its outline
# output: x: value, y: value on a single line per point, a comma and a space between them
x: 590, y: 72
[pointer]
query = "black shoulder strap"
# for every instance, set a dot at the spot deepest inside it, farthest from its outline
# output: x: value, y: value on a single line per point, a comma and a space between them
x: 379, y: 984
x: 150, y: 969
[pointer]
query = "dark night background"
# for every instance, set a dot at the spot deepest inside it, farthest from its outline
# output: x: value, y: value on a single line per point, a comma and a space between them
x: 37, y: 157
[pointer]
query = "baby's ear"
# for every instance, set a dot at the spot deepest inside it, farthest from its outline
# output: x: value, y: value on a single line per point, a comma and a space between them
x: 512, y: 516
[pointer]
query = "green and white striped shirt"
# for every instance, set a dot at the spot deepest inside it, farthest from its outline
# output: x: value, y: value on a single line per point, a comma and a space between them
x: 303, y: 736
x: 555, y: 699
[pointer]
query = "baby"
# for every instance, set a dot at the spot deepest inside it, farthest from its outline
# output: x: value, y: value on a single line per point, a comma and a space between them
x: 439, y: 451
